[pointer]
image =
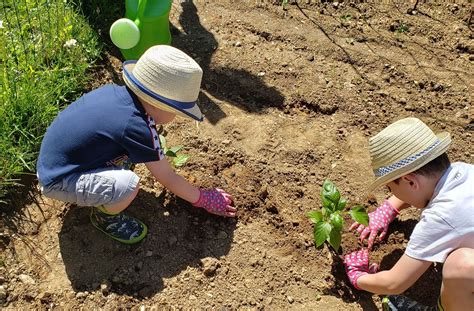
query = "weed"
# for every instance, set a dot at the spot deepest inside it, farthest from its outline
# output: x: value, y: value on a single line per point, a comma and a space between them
x: 329, y: 221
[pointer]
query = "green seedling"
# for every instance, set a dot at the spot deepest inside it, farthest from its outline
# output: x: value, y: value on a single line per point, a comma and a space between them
x: 346, y: 17
x: 172, y: 152
x: 329, y: 220
x: 402, y: 28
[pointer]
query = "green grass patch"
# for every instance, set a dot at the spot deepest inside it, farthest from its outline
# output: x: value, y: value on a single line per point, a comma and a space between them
x: 47, y: 47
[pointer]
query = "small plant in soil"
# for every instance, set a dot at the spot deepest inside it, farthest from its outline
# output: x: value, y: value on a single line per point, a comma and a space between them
x: 402, y: 28
x: 172, y: 152
x: 329, y: 220
x: 346, y: 17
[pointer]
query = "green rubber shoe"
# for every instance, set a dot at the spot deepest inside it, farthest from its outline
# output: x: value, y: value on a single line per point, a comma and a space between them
x: 121, y: 227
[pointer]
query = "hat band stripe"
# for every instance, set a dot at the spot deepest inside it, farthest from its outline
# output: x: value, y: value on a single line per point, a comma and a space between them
x: 384, y: 170
x: 173, y: 103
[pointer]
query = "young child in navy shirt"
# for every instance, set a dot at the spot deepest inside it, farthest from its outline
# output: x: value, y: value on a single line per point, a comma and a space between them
x: 411, y: 161
x: 83, y: 152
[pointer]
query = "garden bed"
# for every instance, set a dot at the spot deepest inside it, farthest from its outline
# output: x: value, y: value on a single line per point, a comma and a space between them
x: 291, y: 96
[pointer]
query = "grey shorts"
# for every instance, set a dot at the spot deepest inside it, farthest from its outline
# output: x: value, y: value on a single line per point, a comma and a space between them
x: 104, y: 186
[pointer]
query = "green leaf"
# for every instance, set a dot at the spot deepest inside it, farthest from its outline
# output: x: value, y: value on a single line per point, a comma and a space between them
x: 321, y: 232
x: 330, y: 192
x: 327, y: 203
x: 180, y: 159
x: 335, y: 238
x: 336, y: 220
x: 176, y: 149
x: 325, y: 212
x: 359, y: 214
x: 170, y: 153
x: 346, y: 17
x: 341, y: 205
x: 162, y: 142
x: 315, y: 216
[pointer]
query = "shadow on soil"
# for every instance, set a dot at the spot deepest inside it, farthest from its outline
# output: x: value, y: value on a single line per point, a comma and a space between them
x: 15, y: 219
x: 178, y: 238
x: 237, y: 86
x: 426, y: 288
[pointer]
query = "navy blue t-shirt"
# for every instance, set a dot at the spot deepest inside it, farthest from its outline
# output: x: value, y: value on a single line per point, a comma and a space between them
x: 102, y: 128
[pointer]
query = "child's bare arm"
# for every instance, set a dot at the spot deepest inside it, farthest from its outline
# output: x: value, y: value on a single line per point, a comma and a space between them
x: 215, y: 201
x: 396, y: 280
x: 164, y: 173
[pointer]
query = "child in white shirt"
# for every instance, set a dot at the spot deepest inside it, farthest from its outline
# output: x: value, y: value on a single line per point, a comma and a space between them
x: 410, y: 160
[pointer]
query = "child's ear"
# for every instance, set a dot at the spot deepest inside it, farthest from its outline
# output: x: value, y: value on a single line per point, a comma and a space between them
x: 412, y: 181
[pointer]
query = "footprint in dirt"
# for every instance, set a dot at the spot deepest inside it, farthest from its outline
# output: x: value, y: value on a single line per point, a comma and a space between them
x: 179, y: 238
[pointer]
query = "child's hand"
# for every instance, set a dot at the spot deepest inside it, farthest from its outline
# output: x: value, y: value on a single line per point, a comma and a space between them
x: 378, y: 221
x: 357, y: 264
x: 216, y: 201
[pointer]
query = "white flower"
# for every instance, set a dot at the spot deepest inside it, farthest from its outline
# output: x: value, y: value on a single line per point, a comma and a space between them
x: 1, y: 24
x: 69, y: 43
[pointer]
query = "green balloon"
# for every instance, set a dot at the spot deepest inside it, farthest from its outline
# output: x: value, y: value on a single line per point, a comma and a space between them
x: 124, y: 33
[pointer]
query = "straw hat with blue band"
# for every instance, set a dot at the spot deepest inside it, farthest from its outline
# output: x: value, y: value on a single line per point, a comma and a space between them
x: 166, y: 78
x: 402, y: 148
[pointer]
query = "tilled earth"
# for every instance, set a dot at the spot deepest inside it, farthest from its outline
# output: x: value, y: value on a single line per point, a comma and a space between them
x: 291, y: 95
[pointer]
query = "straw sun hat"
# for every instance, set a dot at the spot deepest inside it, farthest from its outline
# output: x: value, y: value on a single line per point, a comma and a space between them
x: 166, y: 78
x: 402, y: 148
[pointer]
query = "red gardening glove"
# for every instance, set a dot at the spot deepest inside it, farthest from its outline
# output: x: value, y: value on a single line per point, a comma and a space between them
x: 378, y: 221
x: 216, y: 201
x: 357, y: 265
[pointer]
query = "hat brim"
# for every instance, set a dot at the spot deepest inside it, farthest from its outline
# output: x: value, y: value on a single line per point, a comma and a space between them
x: 442, y: 147
x: 188, y: 110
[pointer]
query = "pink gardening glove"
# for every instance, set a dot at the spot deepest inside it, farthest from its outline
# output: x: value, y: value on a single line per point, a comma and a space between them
x: 378, y: 221
x: 216, y: 201
x: 357, y: 264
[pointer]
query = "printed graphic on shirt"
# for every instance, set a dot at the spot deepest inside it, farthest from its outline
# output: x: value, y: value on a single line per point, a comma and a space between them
x: 156, y: 140
x: 118, y: 161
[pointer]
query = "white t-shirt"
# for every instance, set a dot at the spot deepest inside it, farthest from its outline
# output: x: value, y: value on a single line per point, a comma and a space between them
x: 447, y: 222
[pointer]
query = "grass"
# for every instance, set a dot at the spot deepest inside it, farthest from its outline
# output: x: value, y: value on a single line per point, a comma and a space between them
x: 47, y: 48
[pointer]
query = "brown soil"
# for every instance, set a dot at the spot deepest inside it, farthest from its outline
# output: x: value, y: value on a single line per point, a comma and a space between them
x: 291, y: 96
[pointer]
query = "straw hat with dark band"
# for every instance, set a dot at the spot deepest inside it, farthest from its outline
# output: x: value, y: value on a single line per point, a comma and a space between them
x: 166, y: 78
x: 402, y: 148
